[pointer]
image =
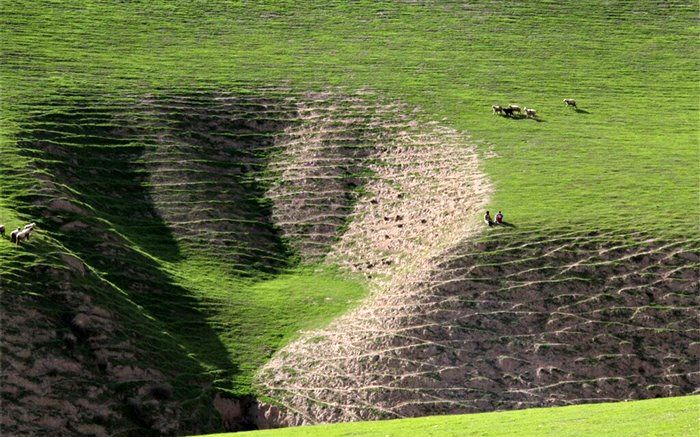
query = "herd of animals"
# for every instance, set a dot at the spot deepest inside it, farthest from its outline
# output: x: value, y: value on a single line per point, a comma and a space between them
x: 512, y: 109
x: 19, y: 234
x: 22, y: 234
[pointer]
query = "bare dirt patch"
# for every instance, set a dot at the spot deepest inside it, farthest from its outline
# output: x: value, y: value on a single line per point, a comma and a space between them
x: 510, y: 322
x: 424, y: 196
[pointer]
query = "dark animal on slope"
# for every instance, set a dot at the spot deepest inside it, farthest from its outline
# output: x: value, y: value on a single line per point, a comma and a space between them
x: 2, y: 229
x: 508, y: 112
x: 13, y: 235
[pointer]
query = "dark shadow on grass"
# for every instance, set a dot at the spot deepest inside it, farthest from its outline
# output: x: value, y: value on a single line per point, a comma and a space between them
x: 216, y: 152
x: 523, y: 117
x: 581, y: 111
x: 107, y: 216
x: 169, y: 173
x: 514, y: 117
x: 505, y: 225
x: 89, y: 148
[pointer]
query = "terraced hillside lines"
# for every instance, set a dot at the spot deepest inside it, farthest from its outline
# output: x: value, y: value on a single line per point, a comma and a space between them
x: 217, y: 156
x: 511, y: 321
x: 424, y: 196
x: 185, y: 234
x: 106, y: 305
x: 321, y: 168
x: 71, y: 363
x: 630, y: 65
x: 202, y: 175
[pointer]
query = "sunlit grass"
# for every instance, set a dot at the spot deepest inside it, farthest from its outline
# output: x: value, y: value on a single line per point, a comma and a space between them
x: 658, y: 417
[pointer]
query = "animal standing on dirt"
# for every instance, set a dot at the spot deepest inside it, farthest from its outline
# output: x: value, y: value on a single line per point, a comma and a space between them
x: 570, y: 102
x: 530, y: 113
x: 497, y: 109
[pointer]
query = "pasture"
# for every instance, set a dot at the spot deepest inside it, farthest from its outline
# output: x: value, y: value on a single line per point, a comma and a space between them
x: 153, y: 142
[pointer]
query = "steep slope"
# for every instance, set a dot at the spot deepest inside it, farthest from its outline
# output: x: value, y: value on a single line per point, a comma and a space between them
x: 146, y: 140
x: 164, y: 269
x: 175, y: 225
x: 514, y: 319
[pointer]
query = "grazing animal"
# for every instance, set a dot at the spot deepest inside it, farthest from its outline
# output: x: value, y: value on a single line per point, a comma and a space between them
x: 13, y: 235
x: 487, y: 219
x: 24, y: 234
x: 515, y: 108
x: 529, y: 112
x: 507, y: 111
x: 30, y: 225
x: 497, y: 109
x: 570, y: 102
x: 2, y: 229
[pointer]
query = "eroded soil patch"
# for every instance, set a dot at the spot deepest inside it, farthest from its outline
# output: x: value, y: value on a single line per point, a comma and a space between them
x: 513, y: 321
x: 253, y: 183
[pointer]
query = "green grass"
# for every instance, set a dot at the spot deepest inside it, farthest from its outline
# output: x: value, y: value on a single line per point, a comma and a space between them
x: 227, y: 310
x: 628, y: 161
x: 255, y: 319
x: 631, y: 66
x: 658, y: 417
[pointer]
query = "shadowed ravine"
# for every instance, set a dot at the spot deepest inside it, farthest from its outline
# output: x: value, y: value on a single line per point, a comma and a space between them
x: 167, y: 219
x: 128, y: 192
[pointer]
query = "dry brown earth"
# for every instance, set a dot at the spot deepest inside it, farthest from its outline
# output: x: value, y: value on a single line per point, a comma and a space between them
x: 511, y: 321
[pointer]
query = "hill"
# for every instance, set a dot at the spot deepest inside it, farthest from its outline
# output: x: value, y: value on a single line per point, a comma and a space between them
x: 268, y: 214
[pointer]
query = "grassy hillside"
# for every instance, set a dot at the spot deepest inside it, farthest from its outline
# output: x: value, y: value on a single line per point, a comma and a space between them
x: 672, y: 416
x: 631, y: 66
x: 138, y: 134
x: 89, y: 151
x: 172, y: 249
